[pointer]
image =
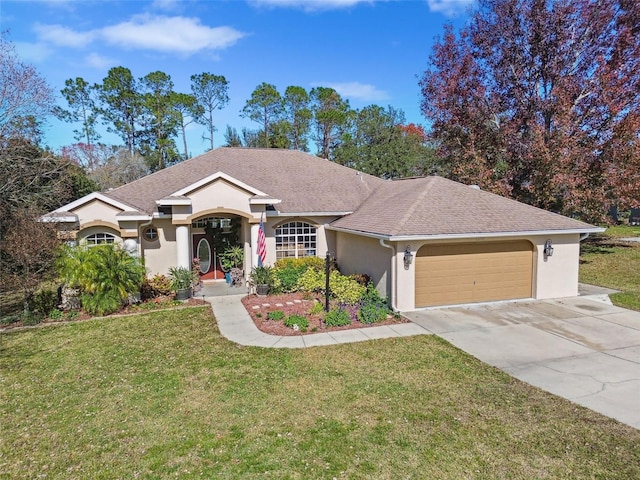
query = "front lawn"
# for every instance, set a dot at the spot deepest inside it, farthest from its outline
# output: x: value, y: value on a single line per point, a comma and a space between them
x: 163, y: 395
x: 609, y: 262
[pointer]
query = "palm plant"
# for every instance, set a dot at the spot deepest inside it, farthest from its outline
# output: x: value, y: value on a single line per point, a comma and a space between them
x: 106, y: 275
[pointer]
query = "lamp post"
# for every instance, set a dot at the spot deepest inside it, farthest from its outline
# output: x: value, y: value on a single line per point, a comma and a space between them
x: 327, y: 266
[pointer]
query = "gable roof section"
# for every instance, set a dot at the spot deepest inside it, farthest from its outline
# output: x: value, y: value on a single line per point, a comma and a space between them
x: 303, y: 182
x: 436, y: 207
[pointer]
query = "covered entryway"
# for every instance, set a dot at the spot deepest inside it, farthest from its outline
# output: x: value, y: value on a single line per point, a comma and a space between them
x: 449, y: 274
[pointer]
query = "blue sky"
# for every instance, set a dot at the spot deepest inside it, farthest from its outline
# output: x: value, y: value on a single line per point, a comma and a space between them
x: 371, y: 52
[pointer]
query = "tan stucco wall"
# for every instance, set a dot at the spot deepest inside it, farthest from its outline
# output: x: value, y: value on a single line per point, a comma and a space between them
x: 357, y: 254
x: 220, y: 194
x: 96, y: 211
x: 554, y: 277
x: 160, y: 254
x: 557, y: 276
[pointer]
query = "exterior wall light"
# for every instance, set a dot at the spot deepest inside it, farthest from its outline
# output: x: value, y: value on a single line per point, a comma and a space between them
x: 548, y: 249
x: 408, y: 257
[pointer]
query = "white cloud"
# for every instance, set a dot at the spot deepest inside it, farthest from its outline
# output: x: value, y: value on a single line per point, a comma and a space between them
x: 98, y: 61
x: 450, y: 8
x: 358, y: 91
x: 170, y: 34
x: 63, y: 36
x: 309, y: 5
x: 32, y: 52
x: 148, y: 32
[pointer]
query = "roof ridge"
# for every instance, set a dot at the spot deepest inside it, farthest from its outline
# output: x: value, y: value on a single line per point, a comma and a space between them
x: 409, y: 213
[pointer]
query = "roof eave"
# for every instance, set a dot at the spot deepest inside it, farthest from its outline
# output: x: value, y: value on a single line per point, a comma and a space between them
x: 461, y: 236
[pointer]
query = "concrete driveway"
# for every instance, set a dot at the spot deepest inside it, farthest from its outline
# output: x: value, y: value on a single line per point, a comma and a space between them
x: 579, y: 348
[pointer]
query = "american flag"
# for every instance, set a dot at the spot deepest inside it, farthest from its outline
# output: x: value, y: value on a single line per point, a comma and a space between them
x: 262, y: 244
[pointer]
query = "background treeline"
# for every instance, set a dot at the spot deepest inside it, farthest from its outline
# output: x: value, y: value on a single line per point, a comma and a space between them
x: 151, y: 117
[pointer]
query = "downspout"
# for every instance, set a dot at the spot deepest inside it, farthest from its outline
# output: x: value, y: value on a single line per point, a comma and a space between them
x: 393, y: 274
x: 583, y: 236
x: 140, y: 228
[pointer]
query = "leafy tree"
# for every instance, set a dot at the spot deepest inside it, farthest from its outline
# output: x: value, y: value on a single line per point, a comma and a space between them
x: 27, y: 253
x: 82, y: 108
x: 232, y: 138
x: 122, y: 105
x: 211, y: 94
x: 25, y: 97
x: 160, y: 119
x: 330, y: 114
x: 264, y: 107
x: 540, y: 99
x: 106, y: 275
x: 380, y: 145
x: 298, y: 114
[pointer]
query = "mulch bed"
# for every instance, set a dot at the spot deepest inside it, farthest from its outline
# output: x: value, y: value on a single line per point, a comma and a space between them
x: 297, y: 304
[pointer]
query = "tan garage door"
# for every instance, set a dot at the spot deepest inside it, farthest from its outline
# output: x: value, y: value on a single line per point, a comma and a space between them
x: 474, y: 272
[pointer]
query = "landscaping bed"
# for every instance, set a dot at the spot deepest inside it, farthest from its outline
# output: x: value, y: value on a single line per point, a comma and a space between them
x: 302, y: 304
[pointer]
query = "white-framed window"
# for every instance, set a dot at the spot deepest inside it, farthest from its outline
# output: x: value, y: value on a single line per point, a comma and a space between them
x: 295, y: 240
x: 213, y: 221
x: 99, y: 239
x: 151, y: 234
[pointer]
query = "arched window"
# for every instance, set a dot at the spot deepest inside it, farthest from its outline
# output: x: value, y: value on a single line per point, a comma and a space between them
x: 99, y: 239
x: 295, y: 240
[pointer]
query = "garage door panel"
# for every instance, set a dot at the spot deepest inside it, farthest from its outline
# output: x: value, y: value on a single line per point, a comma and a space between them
x: 463, y: 273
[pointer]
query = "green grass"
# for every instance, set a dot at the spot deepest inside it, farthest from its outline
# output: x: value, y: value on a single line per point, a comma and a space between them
x: 163, y: 395
x: 607, y: 262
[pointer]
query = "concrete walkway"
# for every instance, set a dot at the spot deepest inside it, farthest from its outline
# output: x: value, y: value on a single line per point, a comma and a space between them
x: 236, y: 325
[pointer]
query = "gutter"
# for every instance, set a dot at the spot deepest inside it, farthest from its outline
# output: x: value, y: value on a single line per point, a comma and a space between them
x: 471, y: 236
x: 394, y: 283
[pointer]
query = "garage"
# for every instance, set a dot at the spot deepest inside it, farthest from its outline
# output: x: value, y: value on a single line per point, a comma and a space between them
x: 449, y: 274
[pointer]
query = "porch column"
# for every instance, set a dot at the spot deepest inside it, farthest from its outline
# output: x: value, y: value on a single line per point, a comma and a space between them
x: 254, y: 244
x: 182, y: 246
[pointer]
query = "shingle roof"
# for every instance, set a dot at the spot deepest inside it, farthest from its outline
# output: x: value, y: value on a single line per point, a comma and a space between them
x: 432, y: 206
x: 304, y: 182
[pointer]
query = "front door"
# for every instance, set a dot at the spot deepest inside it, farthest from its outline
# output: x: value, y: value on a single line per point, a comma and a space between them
x: 209, y: 263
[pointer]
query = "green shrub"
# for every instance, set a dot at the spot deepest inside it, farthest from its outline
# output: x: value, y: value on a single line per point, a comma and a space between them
x: 371, y: 313
x: 299, y: 320
x: 311, y: 280
x: 345, y: 289
x: 72, y: 315
x: 373, y: 308
x: 317, y: 308
x: 157, y: 286
x: 337, y: 318
x: 56, y: 314
x: 362, y: 278
x: 275, y: 315
x: 43, y: 302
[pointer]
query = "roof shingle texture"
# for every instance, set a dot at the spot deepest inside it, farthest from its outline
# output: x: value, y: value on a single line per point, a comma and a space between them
x: 304, y: 182
x: 437, y: 206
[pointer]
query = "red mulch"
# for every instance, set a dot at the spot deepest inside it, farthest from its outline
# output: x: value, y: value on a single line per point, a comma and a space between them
x: 297, y: 304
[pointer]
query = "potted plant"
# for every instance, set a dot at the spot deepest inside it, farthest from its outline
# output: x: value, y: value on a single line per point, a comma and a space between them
x: 231, y: 261
x: 262, y: 279
x: 182, y: 280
